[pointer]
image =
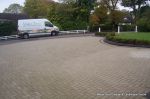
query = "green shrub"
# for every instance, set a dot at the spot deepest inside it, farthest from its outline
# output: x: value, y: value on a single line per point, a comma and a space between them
x: 144, y: 25
x: 7, y: 28
x: 127, y: 28
x: 106, y: 28
x: 104, y: 33
x: 73, y: 25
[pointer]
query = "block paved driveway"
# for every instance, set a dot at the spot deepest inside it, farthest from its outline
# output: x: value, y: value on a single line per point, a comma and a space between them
x: 73, y: 68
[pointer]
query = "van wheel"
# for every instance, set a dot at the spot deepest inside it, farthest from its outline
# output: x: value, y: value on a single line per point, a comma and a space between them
x: 53, y: 33
x: 26, y: 36
x: 56, y: 34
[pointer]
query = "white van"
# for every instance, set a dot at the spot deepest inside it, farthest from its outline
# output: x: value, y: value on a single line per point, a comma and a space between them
x: 36, y: 27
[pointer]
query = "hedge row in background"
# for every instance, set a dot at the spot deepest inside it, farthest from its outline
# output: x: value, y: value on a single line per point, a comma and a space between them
x: 103, y: 34
x: 109, y: 28
x: 104, y: 28
x: 72, y: 25
x: 8, y: 28
x: 144, y: 25
x: 127, y: 28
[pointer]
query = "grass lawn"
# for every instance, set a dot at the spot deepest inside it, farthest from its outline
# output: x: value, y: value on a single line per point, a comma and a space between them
x: 132, y: 35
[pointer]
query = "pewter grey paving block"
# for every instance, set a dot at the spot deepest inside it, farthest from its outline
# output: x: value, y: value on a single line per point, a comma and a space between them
x: 73, y: 68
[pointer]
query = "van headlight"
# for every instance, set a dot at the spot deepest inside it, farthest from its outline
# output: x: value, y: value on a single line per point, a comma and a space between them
x: 56, y: 28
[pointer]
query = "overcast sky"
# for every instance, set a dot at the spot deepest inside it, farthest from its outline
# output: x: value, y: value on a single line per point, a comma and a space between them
x: 5, y: 3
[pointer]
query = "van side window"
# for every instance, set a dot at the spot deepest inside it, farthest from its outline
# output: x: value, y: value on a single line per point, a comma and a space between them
x: 48, y: 24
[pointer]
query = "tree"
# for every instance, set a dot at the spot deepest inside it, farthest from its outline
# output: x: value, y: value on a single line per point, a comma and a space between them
x: 99, y: 16
x: 36, y: 8
x: 94, y: 20
x: 145, y: 11
x: 14, y: 8
x: 135, y: 5
x: 118, y: 16
x: 112, y: 6
x: 67, y: 15
x: 73, y: 14
x: 144, y: 22
x: 85, y: 7
x: 51, y: 12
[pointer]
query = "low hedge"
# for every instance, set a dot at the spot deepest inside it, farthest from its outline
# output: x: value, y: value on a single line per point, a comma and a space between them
x: 104, y: 28
x: 103, y: 34
x: 7, y: 28
x: 127, y: 41
x: 127, y: 28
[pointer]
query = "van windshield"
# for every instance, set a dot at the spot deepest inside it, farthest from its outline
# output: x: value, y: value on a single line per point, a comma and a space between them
x: 48, y: 24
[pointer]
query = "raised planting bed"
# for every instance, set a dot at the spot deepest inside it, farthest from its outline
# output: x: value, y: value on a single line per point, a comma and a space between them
x: 139, y: 39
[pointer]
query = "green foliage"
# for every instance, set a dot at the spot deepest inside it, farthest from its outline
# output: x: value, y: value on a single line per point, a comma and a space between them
x: 144, y: 22
x: 7, y: 28
x: 74, y: 14
x: 127, y: 28
x: 117, y: 16
x: 107, y: 28
x: 84, y: 8
x: 68, y: 17
x: 106, y: 21
x: 99, y: 16
x: 145, y: 11
x: 36, y: 8
x: 111, y: 19
x: 51, y: 12
x: 69, y: 14
x: 70, y: 25
x: 94, y: 20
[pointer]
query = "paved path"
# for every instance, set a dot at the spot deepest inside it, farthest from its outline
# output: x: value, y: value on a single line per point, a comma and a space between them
x: 73, y: 68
